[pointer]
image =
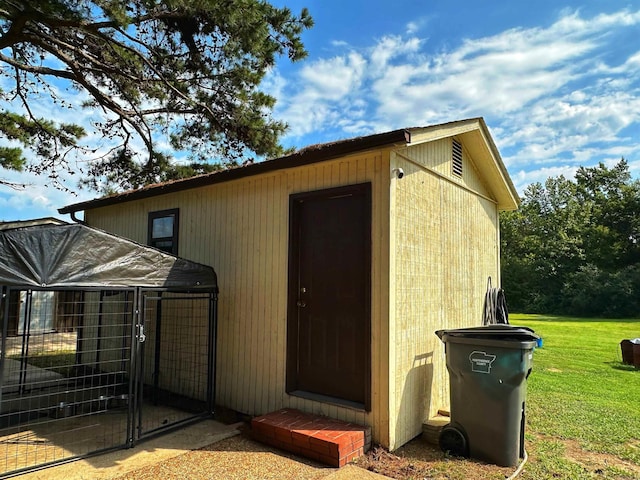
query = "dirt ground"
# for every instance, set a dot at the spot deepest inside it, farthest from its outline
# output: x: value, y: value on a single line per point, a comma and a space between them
x: 234, y: 455
x: 240, y: 457
x: 420, y: 460
x: 594, y: 461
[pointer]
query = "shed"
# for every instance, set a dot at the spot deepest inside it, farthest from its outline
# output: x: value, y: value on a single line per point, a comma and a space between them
x: 104, y: 341
x: 337, y: 264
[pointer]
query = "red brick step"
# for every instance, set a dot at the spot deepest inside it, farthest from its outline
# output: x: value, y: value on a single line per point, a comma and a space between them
x: 319, y: 438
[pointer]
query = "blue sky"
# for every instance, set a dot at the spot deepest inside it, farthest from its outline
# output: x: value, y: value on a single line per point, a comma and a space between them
x: 557, y: 83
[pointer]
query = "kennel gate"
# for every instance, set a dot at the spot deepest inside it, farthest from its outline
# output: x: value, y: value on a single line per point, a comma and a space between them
x: 86, y: 371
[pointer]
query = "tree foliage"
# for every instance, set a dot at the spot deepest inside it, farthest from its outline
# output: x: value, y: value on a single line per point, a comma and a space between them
x: 573, y: 246
x: 186, y: 71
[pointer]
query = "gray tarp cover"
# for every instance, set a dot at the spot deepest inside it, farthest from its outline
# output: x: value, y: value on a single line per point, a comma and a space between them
x: 79, y: 256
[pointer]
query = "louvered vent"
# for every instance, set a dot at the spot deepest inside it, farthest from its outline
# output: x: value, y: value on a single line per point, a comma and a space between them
x: 456, y: 158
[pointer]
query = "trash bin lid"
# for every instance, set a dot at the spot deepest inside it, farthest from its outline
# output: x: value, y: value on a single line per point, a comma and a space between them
x: 491, y: 332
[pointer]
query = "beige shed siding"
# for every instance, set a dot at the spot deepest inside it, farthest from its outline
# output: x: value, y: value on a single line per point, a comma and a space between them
x: 241, y: 228
x: 436, y: 157
x: 444, y: 247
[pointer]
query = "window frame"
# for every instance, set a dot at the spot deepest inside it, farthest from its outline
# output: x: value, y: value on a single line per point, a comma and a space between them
x: 172, y: 212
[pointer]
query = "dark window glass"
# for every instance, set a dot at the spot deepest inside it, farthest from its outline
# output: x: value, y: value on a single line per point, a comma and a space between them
x: 163, y: 230
x: 162, y: 227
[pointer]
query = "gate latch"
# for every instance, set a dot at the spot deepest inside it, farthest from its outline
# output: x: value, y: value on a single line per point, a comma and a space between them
x: 141, y: 336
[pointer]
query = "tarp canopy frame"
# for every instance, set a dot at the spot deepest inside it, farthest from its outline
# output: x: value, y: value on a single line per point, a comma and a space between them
x: 78, y: 256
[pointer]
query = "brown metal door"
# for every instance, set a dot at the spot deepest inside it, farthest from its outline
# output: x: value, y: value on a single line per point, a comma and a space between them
x: 329, y: 294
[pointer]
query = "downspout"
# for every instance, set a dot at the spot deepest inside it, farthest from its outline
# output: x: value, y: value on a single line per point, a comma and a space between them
x: 76, y: 219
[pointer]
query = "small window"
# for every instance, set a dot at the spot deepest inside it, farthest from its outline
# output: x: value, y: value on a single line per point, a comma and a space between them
x: 163, y: 230
x: 456, y: 158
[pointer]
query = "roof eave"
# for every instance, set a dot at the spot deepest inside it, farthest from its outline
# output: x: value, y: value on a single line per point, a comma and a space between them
x: 305, y: 156
x: 511, y: 199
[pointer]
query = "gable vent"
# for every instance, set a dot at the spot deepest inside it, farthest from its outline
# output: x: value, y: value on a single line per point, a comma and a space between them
x: 456, y: 158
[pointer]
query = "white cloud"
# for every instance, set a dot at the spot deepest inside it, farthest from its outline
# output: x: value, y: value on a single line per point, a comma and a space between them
x: 572, y: 24
x: 321, y: 94
x: 418, y: 24
x: 522, y: 178
x: 633, y: 61
x: 274, y: 84
x: 334, y: 78
x: 37, y: 200
x: 41, y: 198
x: 554, y: 96
x: 578, y: 127
x: 388, y: 48
x: 564, y: 94
x: 412, y: 27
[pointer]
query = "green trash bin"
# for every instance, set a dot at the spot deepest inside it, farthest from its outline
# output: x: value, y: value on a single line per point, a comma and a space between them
x: 488, y: 370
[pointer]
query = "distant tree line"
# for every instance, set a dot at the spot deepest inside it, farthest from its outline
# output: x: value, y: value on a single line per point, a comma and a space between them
x: 573, y: 246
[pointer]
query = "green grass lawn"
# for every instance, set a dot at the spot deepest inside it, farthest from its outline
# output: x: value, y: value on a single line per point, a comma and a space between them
x: 580, y: 393
x: 62, y: 361
x: 583, y: 412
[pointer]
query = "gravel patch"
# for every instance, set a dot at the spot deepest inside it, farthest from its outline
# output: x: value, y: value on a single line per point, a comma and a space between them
x: 234, y: 458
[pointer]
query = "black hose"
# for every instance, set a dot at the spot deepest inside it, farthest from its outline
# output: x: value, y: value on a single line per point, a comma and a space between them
x: 495, y: 306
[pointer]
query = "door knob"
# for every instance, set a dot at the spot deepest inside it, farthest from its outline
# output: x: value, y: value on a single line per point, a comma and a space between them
x: 301, y: 304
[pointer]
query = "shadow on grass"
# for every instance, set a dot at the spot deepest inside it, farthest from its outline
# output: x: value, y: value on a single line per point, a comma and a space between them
x: 552, y: 318
x: 622, y: 367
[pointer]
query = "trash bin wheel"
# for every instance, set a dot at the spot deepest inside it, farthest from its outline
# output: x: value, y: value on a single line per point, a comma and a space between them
x: 454, y: 441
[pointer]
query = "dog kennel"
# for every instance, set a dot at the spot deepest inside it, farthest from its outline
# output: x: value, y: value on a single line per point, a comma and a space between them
x: 104, y: 342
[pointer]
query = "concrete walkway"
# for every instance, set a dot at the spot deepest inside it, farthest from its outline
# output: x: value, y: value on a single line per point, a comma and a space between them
x: 17, y: 374
x: 147, y: 453
x: 175, y: 450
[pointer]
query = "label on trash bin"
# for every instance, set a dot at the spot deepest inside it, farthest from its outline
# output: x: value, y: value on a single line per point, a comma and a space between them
x: 481, y: 361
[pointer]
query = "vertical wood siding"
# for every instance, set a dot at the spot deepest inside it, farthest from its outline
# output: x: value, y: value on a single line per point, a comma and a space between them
x: 241, y: 229
x: 444, y: 248
x: 434, y: 245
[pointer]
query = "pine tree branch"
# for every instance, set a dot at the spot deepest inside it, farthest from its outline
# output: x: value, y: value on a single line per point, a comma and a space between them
x: 37, y: 70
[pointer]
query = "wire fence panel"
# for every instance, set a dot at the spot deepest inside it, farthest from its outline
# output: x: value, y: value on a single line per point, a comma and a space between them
x: 175, y: 370
x: 65, y: 370
x: 93, y: 370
